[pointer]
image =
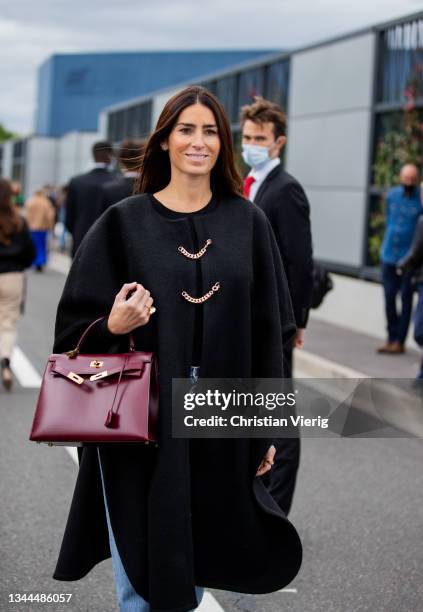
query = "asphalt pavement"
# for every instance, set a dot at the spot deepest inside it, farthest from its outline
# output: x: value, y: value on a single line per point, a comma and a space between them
x: 358, y: 508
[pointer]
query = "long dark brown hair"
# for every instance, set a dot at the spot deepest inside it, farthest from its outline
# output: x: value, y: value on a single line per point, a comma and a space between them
x: 10, y: 220
x: 155, y: 170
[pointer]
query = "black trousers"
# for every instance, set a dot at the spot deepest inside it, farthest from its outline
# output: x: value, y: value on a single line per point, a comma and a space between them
x: 281, y: 479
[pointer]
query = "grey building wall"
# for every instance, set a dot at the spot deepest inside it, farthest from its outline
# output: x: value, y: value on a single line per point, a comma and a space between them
x: 328, y: 146
x: 40, y: 163
x: 7, y: 159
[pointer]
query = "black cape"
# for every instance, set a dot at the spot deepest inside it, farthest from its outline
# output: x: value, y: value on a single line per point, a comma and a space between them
x: 190, y: 512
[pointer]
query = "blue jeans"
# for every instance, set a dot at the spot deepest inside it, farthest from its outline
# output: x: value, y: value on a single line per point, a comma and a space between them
x: 39, y: 238
x: 393, y: 284
x: 128, y: 598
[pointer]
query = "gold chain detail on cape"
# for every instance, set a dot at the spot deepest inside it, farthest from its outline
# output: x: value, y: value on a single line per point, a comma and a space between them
x: 202, y: 299
x: 195, y: 255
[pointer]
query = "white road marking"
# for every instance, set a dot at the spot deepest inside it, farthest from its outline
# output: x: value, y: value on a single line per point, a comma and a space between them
x: 24, y: 371
x: 288, y: 591
x: 73, y: 452
x: 209, y: 604
x: 310, y: 365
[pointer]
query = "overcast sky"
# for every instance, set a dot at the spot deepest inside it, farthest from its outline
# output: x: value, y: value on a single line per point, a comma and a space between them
x: 30, y: 31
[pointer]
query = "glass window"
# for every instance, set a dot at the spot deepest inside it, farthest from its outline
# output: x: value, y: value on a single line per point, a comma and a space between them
x: 251, y: 83
x: 210, y: 85
x: 226, y: 92
x: 17, y: 171
x: 400, y: 71
x: 277, y: 82
x: 133, y: 122
x: 397, y: 140
x: 145, y: 115
x: 19, y: 148
x: 111, y: 127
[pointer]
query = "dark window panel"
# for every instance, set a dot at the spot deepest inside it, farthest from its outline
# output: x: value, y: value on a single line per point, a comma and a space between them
x: 211, y: 86
x: 145, y: 113
x: 19, y: 148
x: 277, y: 83
x: 133, y: 121
x: 251, y: 83
x: 400, y: 73
x: 226, y: 91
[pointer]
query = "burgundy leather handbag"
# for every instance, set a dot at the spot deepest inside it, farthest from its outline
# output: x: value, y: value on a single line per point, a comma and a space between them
x: 98, y: 398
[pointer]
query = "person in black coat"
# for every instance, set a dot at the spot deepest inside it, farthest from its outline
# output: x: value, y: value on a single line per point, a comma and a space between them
x: 82, y: 206
x: 129, y: 157
x: 286, y: 206
x: 17, y: 252
x: 412, y: 263
x: 190, y: 513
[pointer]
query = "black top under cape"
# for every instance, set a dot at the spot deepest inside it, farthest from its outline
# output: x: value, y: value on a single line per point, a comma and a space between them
x: 191, y: 512
x: 199, y: 287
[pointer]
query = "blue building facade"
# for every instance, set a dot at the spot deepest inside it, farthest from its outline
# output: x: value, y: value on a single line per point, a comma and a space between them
x: 74, y: 88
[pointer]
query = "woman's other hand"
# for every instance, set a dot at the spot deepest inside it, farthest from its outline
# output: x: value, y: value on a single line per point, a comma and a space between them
x: 267, y: 461
x: 128, y: 313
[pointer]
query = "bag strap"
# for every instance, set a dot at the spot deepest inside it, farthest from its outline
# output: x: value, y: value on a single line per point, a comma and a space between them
x: 112, y: 415
x: 74, y: 352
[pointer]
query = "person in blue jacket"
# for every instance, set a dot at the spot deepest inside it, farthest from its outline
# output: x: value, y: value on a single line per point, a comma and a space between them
x: 403, y: 208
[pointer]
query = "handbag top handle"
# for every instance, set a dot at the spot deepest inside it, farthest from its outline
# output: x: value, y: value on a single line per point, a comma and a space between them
x: 72, y: 354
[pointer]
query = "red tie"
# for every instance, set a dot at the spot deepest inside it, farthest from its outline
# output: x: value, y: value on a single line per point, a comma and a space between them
x: 248, y: 181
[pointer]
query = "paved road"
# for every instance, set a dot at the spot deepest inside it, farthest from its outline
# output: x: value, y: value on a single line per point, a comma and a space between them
x: 358, y: 509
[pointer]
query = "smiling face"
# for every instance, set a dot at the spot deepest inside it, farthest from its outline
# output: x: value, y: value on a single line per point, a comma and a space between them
x: 194, y: 142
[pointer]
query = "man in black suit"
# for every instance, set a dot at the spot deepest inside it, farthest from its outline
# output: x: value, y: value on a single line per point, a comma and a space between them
x: 83, y: 195
x: 129, y: 157
x: 283, y: 200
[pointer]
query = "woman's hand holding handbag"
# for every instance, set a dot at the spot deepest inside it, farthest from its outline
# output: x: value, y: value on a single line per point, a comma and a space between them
x: 101, y: 398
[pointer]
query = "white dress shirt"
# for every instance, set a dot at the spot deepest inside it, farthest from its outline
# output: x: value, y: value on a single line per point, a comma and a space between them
x: 260, y: 174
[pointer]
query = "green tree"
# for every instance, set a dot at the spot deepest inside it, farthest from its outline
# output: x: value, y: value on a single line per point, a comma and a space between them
x: 5, y: 134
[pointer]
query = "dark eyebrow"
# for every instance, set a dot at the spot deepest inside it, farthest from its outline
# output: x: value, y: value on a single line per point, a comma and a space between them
x: 208, y: 125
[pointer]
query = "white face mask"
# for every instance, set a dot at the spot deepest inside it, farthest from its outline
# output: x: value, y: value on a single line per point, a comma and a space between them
x: 255, y: 155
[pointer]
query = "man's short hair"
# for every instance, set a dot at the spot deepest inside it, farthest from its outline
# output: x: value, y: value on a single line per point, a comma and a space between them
x: 265, y: 111
x: 102, y: 151
x: 130, y: 154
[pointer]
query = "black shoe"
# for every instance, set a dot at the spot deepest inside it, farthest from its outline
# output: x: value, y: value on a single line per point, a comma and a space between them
x: 6, y: 374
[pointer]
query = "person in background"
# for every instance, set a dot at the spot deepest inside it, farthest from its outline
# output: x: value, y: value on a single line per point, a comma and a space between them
x: 40, y: 216
x: 284, y: 202
x: 61, y: 216
x: 129, y: 158
x: 403, y: 208
x: 83, y: 197
x: 18, y: 198
x: 50, y: 192
x: 16, y: 253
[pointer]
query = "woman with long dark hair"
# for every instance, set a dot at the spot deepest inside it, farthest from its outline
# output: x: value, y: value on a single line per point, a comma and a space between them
x: 192, y: 269
x: 16, y: 253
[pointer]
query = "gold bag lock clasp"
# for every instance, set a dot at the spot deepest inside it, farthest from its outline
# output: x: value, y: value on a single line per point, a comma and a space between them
x: 78, y: 379
x: 99, y: 375
x: 96, y: 364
